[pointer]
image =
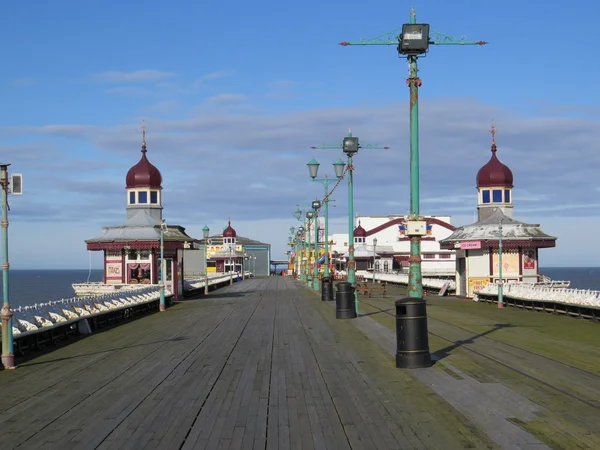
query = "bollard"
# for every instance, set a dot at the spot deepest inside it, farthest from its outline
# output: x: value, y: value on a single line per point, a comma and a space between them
x: 344, y: 301
x: 327, y: 289
x: 412, y: 341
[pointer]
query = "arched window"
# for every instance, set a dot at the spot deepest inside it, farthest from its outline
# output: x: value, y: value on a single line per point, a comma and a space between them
x: 385, y: 266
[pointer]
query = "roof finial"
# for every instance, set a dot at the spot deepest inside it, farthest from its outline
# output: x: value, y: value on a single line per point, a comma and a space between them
x: 412, y: 11
x: 144, y: 130
x: 349, y: 132
x: 493, y: 132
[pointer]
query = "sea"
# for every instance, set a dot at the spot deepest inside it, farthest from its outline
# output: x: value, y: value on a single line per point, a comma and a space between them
x: 27, y: 287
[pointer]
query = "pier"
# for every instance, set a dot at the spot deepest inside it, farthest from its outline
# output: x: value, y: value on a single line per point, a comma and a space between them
x: 265, y: 364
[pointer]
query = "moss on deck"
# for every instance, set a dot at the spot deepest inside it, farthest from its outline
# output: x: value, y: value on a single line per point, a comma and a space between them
x: 568, y: 421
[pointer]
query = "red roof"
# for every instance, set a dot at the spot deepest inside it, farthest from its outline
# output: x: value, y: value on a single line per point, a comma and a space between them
x: 494, y: 173
x: 229, y: 232
x: 359, y: 231
x: 144, y: 174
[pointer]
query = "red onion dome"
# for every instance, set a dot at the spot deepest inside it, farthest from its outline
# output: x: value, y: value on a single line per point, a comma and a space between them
x: 144, y: 174
x: 229, y: 231
x: 494, y: 173
x: 359, y: 231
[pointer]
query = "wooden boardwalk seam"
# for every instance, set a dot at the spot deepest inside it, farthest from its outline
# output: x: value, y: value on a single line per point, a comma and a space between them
x: 259, y: 364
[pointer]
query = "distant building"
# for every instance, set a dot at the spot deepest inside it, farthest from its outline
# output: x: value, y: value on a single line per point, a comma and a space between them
x: 393, y: 245
x: 228, y: 251
x: 476, y: 245
x: 132, y: 249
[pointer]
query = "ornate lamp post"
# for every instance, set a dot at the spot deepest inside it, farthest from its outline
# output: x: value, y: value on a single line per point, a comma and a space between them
x: 412, y: 42
x: 310, y: 215
x: 8, y: 355
x: 231, y: 265
x: 163, y: 230
x: 374, y: 256
x: 500, y: 278
x: 350, y: 146
x: 301, y: 247
x: 205, y: 234
x: 313, y: 169
x: 316, y: 207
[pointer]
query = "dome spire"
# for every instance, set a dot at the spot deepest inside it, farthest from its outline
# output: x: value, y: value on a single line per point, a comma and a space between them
x: 493, y: 133
x: 494, y: 173
x: 144, y: 130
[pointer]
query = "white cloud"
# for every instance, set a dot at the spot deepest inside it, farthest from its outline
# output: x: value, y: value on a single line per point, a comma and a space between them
x: 228, y: 98
x: 128, y: 91
x: 210, y: 160
x: 23, y: 82
x: 138, y: 76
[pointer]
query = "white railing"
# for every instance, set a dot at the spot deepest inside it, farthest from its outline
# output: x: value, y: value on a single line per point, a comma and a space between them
x: 41, y: 316
x: 189, y: 285
x: 584, y: 297
x: 401, y: 278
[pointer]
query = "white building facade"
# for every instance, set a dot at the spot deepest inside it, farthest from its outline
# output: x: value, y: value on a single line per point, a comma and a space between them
x: 393, y: 245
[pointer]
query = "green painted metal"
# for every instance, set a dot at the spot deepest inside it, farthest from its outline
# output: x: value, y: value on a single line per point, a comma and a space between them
x: 415, y: 287
x: 162, y: 270
x: 351, y: 266
x: 500, y: 279
x: 8, y: 356
x: 316, y: 250
x: 325, y: 182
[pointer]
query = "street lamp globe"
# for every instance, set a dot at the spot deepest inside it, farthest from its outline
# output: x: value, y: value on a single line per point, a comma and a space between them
x: 313, y: 168
x: 316, y: 205
x: 205, y: 231
x: 375, y: 241
x: 310, y: 214
x: 292, y: 229
x: 350, y: 145
x: 339, y: 166
x: 414, y: 39
x: 298, y: 214
x: 300, y: 230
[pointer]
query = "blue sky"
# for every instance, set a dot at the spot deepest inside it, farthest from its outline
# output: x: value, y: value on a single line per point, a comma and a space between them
x: 234, y: 94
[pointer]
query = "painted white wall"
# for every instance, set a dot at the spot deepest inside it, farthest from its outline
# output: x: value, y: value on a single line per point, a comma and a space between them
x: 478, y: 263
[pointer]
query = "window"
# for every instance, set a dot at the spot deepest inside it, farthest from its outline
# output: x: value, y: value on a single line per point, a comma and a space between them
x: 139, y: 273
x: 497, y: 196
x: 142, y: 197
x: 485, y: 196
x: 428, y: 256
x: 132, y: 198
x: 445, y: 255
x: 154, y: 197
x: 507, y: 196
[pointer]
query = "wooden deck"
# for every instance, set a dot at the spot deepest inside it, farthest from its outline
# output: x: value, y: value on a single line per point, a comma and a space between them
x: 260, y: 364
x: 265, y: 364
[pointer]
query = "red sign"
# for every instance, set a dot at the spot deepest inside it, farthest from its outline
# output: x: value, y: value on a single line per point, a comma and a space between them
x: 529, y: 260
x: 470, y: 245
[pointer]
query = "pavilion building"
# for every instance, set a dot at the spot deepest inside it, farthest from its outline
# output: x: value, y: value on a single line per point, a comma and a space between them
x: 477, y: 245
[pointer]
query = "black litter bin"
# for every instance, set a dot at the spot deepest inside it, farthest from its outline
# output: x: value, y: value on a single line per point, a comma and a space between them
x: 412, y: 342
x: 326, y: 289
x: 344, y: 301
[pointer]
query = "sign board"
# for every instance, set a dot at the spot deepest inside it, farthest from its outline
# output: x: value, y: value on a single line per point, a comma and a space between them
x: 470, y: 245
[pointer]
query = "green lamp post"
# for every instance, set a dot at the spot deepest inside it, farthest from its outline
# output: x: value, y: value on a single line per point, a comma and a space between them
x: 310, y: 215
x: 413, y: 41
x: 374, y: 256
x: 350, y: 146
x: 313, y: 169
x: 8, y: 355
x: 500, y: 278
x: 316, y: 207
x: 205, y: 234
x: 301, y: 245
x: 163, y: 230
